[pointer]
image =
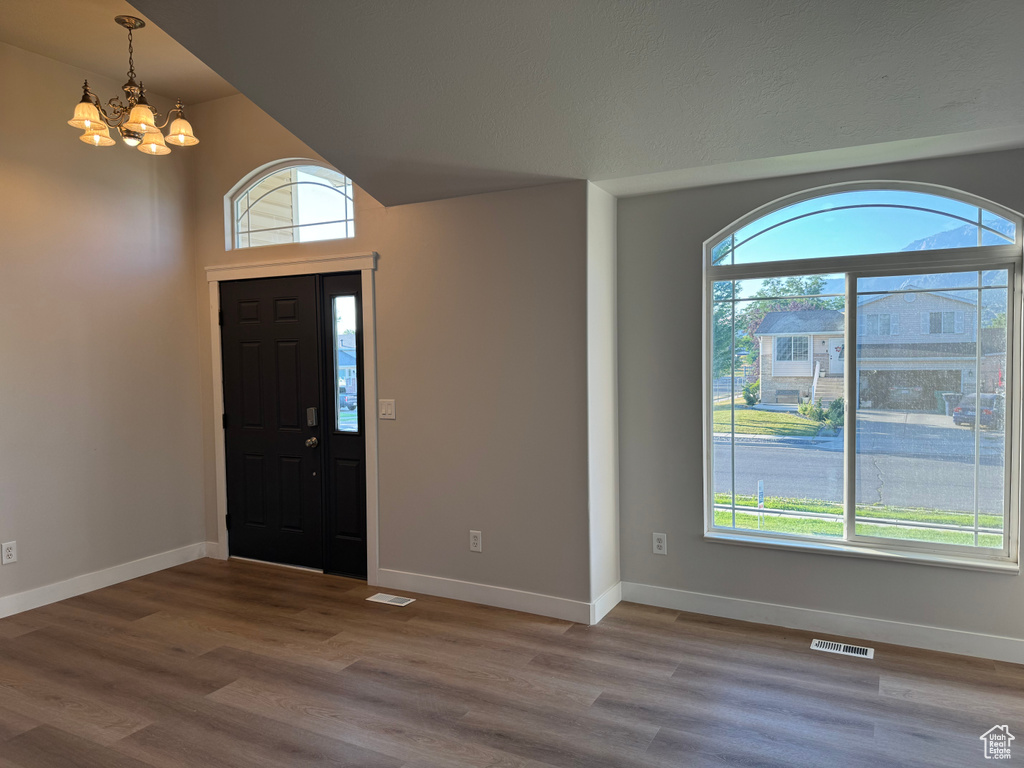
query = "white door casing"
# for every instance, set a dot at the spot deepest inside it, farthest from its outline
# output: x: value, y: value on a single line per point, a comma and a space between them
x: 365, y: 263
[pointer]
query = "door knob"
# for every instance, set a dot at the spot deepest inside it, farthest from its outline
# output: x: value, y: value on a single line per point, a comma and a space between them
x: 312, y: 442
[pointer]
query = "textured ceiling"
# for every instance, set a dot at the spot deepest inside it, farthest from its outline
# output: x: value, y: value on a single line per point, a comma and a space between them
x: 83, y: 33
x: 431, y: 99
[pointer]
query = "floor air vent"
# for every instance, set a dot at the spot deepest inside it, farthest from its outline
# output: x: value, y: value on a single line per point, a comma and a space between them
x: 843, y: 649
x: 380, y: 597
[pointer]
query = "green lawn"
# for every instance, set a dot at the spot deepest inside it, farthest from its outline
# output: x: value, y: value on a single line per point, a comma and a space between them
x: 916, y: 515
x: 747, y: 520
x: 752, y: 422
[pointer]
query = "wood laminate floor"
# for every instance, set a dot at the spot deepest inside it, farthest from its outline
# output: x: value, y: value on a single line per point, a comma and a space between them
x: 240, y: 664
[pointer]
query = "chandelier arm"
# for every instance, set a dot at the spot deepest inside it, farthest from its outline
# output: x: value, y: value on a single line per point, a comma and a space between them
x: 170, y: 113
x: 113, y: 122
x: 118, y: 112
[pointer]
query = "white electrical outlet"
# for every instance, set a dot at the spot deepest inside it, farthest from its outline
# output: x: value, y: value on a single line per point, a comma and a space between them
x: 660, y: 544
x: 476, y: 541
x: 9, y: 552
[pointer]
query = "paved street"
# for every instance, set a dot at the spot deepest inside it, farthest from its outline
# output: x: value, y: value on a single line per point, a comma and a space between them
x: 905, y: 459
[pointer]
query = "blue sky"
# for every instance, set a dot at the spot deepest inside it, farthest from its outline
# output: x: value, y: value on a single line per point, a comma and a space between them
x: 849, y: 232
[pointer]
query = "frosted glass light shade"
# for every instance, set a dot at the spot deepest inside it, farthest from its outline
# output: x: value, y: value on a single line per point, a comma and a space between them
x: 86, y: 116
x: 153, y: 144
x: 98, y: 136
x: 180, y: 133
x: 141, y: 119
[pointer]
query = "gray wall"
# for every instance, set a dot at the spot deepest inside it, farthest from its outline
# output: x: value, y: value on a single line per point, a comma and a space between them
x: 660, y: 241
x: 602, y: 393
x: 100, y: 445
x: 482, y: 342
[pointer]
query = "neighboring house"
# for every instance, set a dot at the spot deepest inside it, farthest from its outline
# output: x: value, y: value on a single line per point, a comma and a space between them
x: 791, y: 345
x: 910, y: 347
x: 346, y: 359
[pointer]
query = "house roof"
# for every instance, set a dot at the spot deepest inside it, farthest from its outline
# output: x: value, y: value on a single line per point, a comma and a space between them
x: 801, y: 321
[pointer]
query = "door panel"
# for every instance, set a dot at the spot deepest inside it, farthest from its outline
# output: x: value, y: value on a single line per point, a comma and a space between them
x: 254, y: 511
x: 347, y: 481
x: 271, y: 356
x: 288, y: 378
x: 344, y: 432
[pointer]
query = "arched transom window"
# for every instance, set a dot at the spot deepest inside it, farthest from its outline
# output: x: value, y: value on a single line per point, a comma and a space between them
x: 864, y: 221
x: 862, y: 388
x: 292, y: 203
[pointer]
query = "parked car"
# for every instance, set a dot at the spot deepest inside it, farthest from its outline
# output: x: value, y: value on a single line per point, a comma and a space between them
x: 993, y: 411
x: 346, y: 399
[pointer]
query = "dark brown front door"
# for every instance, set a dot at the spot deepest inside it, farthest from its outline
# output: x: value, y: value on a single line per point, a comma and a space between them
x: 271, y: 380
x: 295, y: 422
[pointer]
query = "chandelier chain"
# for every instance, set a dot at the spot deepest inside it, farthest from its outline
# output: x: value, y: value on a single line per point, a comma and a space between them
x: 131, y: 60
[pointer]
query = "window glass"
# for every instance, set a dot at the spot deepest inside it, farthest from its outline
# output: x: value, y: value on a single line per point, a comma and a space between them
x: 762, y: 442
x: 346, y: 364
x: 297, y: 204
x: 864, y: 222
x: 928, y: 469
x: 784, y: 349
x: 800, y: 348
x: 824, y: 286
x: 879, y: 325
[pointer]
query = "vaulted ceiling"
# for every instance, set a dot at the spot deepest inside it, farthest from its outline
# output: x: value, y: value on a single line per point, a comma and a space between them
x: 83, y: 33
x: 437, y: 98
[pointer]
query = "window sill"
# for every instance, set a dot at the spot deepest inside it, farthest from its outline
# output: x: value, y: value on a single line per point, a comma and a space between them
x: 848, y: 549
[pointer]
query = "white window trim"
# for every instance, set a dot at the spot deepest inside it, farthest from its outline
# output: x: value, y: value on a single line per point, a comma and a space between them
x: 954, y: 259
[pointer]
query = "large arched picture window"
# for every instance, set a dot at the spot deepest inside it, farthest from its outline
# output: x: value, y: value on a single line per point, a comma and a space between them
x: 292, y: 202
x: 861, y: 375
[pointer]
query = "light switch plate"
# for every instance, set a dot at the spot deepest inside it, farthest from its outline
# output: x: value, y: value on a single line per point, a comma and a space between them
x: 387, y: 409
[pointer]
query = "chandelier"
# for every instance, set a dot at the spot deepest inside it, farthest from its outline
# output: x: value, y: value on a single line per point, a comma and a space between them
x: 136, y: 121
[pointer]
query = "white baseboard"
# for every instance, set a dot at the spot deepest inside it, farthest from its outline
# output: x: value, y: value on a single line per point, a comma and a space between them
x: 608, y: 600
x: 485, y: 594
x: 216, y: 551
x: 78, y: 585
x: 839, y: 624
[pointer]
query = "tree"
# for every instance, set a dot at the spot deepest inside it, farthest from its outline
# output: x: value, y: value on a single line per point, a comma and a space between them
x: 722, y: 322
x: 775, y: 294
x: 784, y: 294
